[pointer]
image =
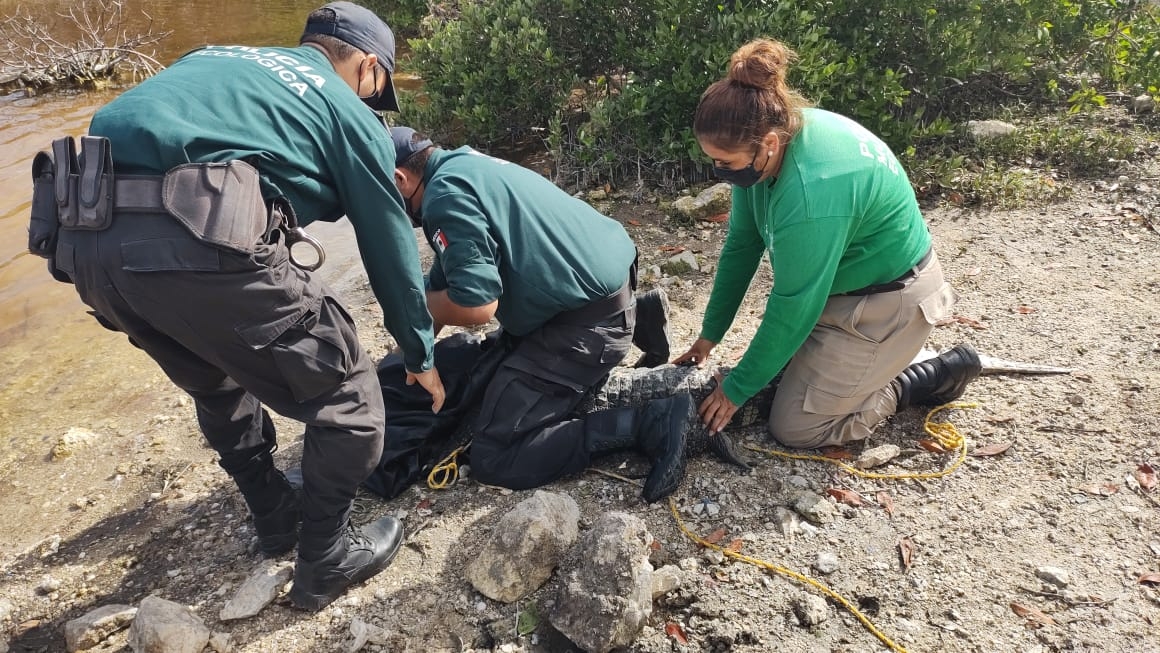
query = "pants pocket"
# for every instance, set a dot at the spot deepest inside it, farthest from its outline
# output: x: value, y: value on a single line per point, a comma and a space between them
x: 939, y: 304
x: 313, y: 355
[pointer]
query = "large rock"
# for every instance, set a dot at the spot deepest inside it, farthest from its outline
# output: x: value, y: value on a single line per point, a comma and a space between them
x: 605, y: 602
x: 95, y: 627
x: 989, y: 129
x: 166, y: 627
x: 712, y: 201
x: 525, y: 547
x: 259, y: 590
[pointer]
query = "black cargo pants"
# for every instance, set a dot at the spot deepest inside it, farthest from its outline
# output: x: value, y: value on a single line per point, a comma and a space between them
x: 527, y: 433
x: 236, y: 331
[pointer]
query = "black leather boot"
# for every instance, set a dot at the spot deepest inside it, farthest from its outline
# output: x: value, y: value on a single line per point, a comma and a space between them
x: 651, y: 334
x: 939, y: 380
x: 332, y: 559
x: 662, y: 434
x: 274, y: 504
x: 658, y: 430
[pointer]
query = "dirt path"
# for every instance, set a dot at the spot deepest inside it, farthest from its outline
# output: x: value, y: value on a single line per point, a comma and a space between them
x: 1075, y: 284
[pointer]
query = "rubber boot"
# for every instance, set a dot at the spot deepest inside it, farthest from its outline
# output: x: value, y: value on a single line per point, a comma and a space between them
x: 658, y: 430
x: 651, y: 334
x: 335, y: 554
x: 939, y: 380
x: 274, y: 504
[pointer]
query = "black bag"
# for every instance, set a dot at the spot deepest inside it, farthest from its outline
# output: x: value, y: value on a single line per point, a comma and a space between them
x: 417, y: 439
x: 43, y: 225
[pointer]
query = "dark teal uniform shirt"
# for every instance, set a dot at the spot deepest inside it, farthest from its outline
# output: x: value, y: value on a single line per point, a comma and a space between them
x: 503, y: 232
x: 313, y: 142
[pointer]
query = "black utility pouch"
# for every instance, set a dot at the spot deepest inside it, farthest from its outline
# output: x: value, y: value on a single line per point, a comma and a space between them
x: 64, y: 156
x: 95, y: 185
x: 220, y: 203
x: 44, y: 224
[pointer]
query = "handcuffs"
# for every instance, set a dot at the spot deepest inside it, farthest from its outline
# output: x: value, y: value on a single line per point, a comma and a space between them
x: 295, y: 234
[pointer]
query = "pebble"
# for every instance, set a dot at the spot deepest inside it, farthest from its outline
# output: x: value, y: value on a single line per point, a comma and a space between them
x: 1054, y: 575
x: 826, y: 562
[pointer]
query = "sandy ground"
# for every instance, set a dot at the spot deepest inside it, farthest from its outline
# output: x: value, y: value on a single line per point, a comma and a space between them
x: 144, y: 509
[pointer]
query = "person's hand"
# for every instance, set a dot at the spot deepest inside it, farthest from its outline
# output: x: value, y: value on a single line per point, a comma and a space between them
x: 697, y: 354
x: 431, y: 383
x: 717, y: 409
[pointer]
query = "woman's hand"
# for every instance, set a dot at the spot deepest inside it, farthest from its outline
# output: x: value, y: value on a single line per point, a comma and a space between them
x: 717, y: 410
x: 697, y: 354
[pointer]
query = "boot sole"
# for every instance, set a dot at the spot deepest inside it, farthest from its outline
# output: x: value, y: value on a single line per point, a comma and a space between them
x: 314, y: 602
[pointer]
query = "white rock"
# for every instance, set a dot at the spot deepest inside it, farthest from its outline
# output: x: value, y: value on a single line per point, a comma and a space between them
x: 665, y: 580
x: 877, y: 456
x: 89, y: 630
x: 163, y: 626
x: 1143, y: 103
x: 985, y: 129
x: 810, y: 609
x: 826, y: 562
x: 1054, y: 575
x: 258, y: 591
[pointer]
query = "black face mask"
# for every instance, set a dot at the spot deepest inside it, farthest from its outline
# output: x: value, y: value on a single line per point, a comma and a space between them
x: 414, y: 212
x: 373, y: 99
x: 744, y: 177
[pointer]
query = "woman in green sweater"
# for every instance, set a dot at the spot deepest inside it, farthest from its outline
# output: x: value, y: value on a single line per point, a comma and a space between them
x: 857, y: 287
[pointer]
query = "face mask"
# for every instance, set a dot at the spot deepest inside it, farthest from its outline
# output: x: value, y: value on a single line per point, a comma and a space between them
x: 372, y: 99
x: 744, y: 177
x: 414, y: 212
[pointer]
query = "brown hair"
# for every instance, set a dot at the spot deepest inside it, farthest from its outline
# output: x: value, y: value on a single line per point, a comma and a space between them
x: 752, y: 100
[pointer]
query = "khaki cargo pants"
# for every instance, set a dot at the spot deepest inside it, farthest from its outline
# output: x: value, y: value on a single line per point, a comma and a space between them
x: 837, y: 388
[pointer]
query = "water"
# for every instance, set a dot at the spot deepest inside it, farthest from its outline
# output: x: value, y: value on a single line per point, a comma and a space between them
x: 61, y: 369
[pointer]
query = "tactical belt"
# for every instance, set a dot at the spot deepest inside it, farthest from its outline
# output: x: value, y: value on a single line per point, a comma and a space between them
x: 598, y: 310
x: 897, y: 284
x: 138, y: 193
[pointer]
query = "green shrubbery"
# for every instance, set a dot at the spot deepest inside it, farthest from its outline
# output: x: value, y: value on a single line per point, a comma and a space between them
x: 611, y: 86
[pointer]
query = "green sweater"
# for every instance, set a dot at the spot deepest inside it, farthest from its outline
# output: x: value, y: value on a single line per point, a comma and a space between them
x: 313, y: 141
x: 841, y: 215
x: 503, y: 232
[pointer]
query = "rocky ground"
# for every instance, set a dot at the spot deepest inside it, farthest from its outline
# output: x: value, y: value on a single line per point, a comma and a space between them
x: 1051, y: 545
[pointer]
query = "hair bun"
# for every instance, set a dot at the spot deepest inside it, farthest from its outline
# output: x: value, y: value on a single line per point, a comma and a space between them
x: 761, y: 64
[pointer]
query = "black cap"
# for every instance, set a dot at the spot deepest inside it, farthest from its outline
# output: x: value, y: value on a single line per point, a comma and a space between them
x: 363, y: 29
x: 405, y: 144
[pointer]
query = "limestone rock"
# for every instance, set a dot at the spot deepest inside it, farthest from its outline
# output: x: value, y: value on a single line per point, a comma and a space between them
x: 814, y: 508
x: 877, y: 456
x: 988, y: 129
x: 810, y: 609
x: 525, y: 547
x: 258, y: 591
x: 712, y: 201
x: 89, y: 630
x: 604, y: 602
x: 73, y: 440
x: 682, y: 263
x: 163, y: 626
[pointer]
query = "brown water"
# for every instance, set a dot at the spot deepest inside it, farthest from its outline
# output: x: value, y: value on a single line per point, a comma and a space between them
x: 59, y: 368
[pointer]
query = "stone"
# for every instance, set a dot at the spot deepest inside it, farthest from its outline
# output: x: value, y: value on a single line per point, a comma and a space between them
x: 1053, y: 575
x: 826, y: 562
x: 665, y: 580
x: 810, y: 609
x: 712, y: 201
x: 606, y: 600
x: 163, y: 626
x: 877, y: 456
x: 1143, y: 103
x: 221, y: 643
x: 814, y: 508
x: 258, y: 591
x: 681, y: 263
x: 988, y: 129
x: 525, y: 547
x: 787, y: 522
x: 364, y: 633
x: 72, y: 441
x: 96, y: 626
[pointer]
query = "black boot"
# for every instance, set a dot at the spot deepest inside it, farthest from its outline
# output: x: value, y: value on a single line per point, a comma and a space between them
x: 651, y: 334
x: 330, y: 560
x: 939, y: 380
x: 659, y: 430
x: 273, y: 503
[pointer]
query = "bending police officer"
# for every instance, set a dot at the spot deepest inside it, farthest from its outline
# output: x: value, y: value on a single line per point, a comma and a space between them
x: 195, y: 269
x: 559, y: 278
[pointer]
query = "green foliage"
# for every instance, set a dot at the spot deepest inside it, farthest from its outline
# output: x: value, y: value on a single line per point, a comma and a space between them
x: 613, y: 85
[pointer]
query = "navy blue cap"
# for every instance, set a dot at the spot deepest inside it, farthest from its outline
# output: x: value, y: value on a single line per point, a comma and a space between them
x: 363, y: 29
x: 406, y: 145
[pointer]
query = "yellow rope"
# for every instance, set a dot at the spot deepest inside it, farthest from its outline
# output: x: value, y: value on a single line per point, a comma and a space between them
x: 786, y: 572
x: 446, y: 472
x: 944, y: 433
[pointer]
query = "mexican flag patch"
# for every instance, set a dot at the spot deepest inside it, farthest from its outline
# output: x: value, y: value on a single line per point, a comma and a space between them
x: 439, y: 241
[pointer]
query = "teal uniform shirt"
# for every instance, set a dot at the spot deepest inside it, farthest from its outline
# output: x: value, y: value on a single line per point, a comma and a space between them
x: 840, y: 216
x: 311, y: 138
x: 503, y: 232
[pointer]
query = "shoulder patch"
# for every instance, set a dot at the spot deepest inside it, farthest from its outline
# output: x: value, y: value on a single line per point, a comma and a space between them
x: 439, y: 241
